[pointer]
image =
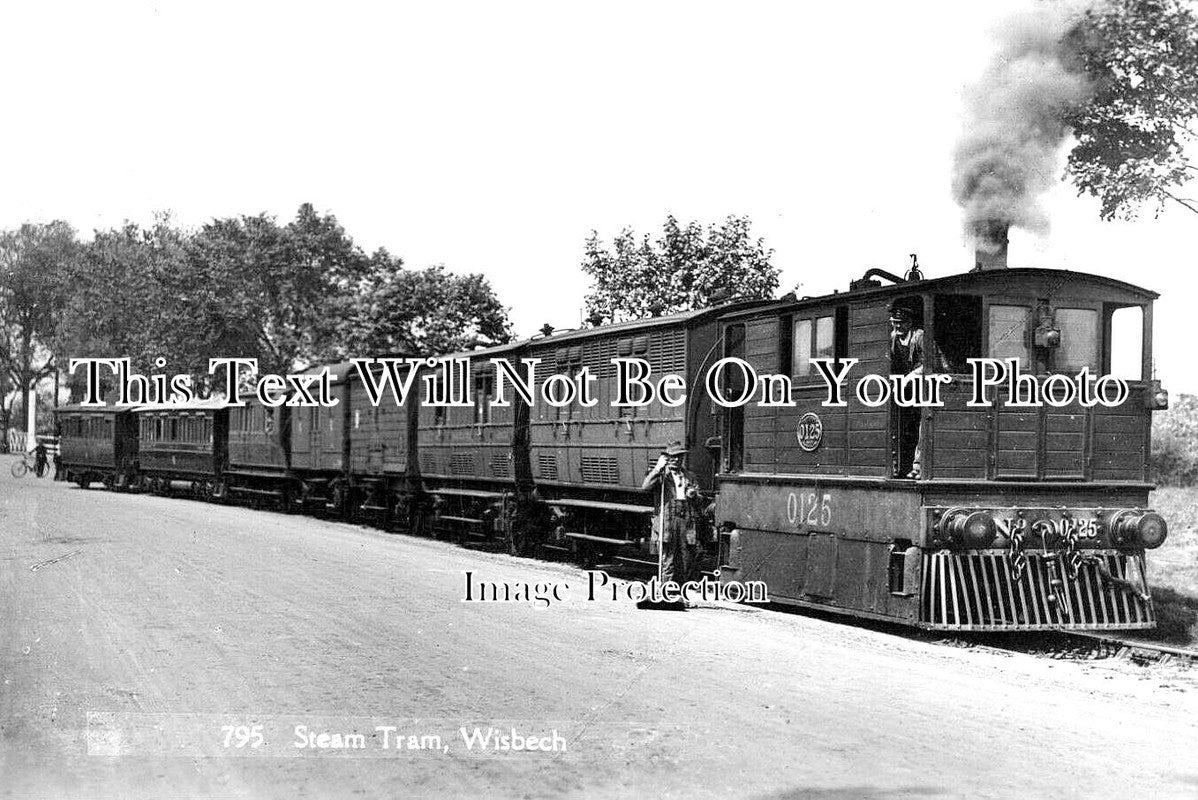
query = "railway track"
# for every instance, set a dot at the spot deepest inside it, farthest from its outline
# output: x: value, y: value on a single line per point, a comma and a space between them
x: 1137, y: 651
x: 1080, y: 646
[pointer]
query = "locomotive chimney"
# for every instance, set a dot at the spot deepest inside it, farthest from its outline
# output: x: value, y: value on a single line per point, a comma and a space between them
x: 990, y: 245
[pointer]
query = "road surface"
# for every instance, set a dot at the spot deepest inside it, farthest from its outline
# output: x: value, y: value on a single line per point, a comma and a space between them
x: 155, y: 648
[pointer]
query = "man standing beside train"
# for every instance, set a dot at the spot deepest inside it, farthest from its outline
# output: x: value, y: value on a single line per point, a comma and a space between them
x: 676, y: 506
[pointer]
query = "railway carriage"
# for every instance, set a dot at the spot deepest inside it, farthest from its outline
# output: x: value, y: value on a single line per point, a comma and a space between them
x: 318, y: 452
x: 472, y: 459
x: 259, y: 451
x: 1020, y: 517
x: 184, y: 447
x: 380, y: 447
x: 98, y: 444
x: 588, y: 462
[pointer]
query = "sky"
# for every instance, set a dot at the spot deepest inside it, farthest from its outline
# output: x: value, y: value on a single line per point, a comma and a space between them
x: 494, y: 137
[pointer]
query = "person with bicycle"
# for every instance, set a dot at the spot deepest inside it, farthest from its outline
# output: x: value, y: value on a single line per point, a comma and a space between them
x: 40, y: 464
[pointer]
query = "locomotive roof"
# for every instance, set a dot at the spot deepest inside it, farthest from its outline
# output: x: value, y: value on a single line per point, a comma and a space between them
x: 962, y: 280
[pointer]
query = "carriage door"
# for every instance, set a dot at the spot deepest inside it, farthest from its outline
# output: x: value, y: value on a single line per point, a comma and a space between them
x: 733, y: 440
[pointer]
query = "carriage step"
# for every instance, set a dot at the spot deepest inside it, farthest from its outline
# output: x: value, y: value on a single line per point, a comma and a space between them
x: 601, y: 539
x: 558, y: 547
x: 463, y: 520
x: 247, y: 490
x: 639, y: 562
x: 600, y: 505
x: 373, y: 508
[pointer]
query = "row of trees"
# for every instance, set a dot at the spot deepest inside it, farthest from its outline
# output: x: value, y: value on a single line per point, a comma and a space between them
x: 289, y: 294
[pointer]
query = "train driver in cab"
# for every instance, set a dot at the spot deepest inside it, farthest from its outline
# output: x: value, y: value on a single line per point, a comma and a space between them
x: 909, y: 356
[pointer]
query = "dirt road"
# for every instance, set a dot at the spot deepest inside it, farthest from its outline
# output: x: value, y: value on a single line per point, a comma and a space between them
x: 167, y: 648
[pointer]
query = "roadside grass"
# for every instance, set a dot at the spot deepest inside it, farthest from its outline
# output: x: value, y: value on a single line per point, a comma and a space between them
x: 1173, y: 568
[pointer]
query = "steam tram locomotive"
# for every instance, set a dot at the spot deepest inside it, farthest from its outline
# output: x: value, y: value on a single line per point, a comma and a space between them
x: 1020, y: 517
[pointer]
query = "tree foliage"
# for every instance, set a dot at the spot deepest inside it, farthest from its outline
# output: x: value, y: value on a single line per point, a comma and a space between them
x: 36, y: 263
x: 687, y: 267
x: 421, y: 312
x: 126, y: 299
x: 276, y: 289
x: 289, y: 294
x: 1141, y: 57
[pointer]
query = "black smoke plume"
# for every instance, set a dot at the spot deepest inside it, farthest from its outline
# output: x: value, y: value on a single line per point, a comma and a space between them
x: 1008, y: 154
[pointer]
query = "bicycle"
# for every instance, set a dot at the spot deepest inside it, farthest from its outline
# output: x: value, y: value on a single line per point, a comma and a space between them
x: 29, y: 462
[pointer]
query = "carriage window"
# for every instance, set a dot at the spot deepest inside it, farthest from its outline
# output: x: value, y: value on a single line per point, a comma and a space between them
x: 484, y: 393
x: 357, y: 418
x: 1125, y: 337
x: 437, y: 389
x: 1008, y: 332
x: 268, y: 423
x: 1079, y: 339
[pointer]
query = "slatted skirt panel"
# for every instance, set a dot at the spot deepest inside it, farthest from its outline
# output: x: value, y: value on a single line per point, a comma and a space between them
x: 974, y: 591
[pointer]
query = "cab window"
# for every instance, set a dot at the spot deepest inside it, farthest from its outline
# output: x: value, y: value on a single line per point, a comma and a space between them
x: 1008, y: 332
x: 823, y: 336
x: 1079, y: 339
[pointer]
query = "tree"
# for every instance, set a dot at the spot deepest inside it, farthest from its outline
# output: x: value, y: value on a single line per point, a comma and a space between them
x: 421, y: 312
x: 35, y: 264
x: 686, y: 268
x: 128, y: 298
x: 276, y: 291
x: 1141, y: 57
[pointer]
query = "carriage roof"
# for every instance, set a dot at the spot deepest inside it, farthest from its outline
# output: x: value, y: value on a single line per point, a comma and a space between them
x: 79, y: 408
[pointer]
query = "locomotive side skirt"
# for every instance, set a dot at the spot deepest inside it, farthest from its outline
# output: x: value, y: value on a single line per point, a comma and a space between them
x: 824, y: 543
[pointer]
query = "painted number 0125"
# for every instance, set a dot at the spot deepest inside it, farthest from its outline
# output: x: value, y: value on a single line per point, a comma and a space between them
x: 809, y: 508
